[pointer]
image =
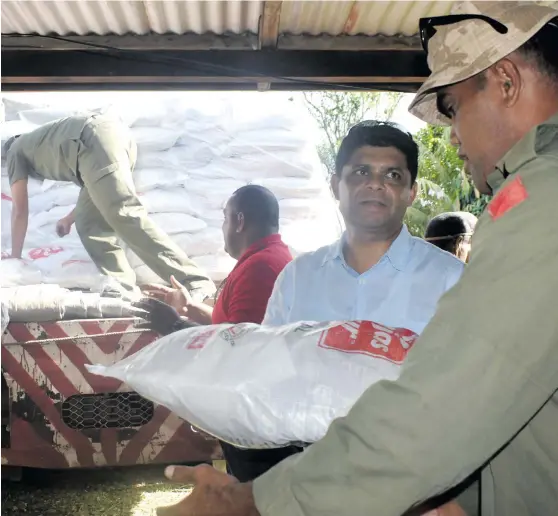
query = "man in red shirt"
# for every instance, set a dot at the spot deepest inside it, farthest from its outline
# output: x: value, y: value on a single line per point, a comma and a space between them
x: 250, y: 230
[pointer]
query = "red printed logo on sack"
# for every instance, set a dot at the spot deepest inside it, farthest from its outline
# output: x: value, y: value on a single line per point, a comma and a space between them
x: 44, y: 252
x: 70, y: 262
x: 6, y: 197
x: 509, y: 196
x: 201, y: 339
x: 369, y: 338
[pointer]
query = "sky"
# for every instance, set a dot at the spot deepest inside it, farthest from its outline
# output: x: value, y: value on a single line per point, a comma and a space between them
x: 261, y: 103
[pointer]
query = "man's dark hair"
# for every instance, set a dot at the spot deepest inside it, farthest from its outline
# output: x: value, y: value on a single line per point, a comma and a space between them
x: 259, y: 207
x: 542, y: 50
x: 378, y: 134
x: 448, y: 230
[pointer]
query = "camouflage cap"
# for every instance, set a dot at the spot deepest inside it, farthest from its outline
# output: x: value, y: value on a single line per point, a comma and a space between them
x: 462, y: 50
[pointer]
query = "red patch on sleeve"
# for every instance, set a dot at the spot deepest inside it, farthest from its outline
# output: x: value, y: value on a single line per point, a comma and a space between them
x: 511, y: 195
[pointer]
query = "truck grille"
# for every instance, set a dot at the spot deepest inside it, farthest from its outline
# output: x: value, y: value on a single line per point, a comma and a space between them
x: 111, y: 410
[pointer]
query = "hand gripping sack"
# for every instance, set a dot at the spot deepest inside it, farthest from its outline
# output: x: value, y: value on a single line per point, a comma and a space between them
x: 258, y: 387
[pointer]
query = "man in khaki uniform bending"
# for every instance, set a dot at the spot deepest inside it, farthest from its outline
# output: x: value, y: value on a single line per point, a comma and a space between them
x: 478, y: 391
x: 97, y: 152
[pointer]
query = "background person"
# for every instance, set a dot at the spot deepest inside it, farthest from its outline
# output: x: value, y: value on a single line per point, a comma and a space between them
x: 377, y: 271
x: 251, y: 234
x: 97, y: 153
x: 452, y: 232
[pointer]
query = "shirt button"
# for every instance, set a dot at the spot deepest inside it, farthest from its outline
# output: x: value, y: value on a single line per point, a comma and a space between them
x: 361, y: 281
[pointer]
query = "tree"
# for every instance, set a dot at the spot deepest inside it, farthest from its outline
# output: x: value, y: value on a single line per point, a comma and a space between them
x: 336, y: 112
x: 444, y: 184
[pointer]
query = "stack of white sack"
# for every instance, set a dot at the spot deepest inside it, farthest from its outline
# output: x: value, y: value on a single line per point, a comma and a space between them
x: 39, y: 303
x: 258, y: 387
x: 189, y: 163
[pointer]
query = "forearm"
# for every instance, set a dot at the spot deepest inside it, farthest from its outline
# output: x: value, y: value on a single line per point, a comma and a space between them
x: 200, y: 313
x: 71, y: 217
x: 19, y: 230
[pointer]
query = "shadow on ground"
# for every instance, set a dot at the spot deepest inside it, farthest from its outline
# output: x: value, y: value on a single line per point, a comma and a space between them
x: 136, y: 491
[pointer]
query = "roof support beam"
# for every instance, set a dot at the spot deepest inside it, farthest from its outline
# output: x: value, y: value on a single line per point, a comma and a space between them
x: 269, y: 25
x: 295, y: 70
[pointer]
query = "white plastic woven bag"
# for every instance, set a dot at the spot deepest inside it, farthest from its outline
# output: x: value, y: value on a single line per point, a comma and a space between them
x: 258, y: 387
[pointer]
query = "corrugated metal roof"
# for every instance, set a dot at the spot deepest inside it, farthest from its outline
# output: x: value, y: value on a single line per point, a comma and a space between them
x: 353, y: 18
x: 100, y: 17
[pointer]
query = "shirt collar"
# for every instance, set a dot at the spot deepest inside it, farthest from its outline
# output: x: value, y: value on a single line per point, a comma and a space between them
x: 260, y: 245
x: 525, y: 150
x: 398, y: 253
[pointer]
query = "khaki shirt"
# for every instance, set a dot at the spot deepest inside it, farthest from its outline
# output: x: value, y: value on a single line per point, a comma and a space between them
x: 49, y: 152
x: 479, y: 386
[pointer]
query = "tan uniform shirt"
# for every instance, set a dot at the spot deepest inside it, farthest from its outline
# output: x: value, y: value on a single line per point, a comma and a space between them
x: 479, y: 386
x: 52, y: 151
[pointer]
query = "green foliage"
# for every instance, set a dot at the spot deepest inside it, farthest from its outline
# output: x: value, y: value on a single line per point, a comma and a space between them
x: 336, y: 112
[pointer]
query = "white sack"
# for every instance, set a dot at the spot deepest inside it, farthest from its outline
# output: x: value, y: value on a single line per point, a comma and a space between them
x: 147, y: 179
x: 211, y: 192
x: 259, y: 387
x: 272, y: 142
x: 167, y: 160
x: 66, y: 195
x: 41, y: 116
x: 50, y: 217
x: 172, y: 223
x: 67, y: 267
x: 14, y: 273
x: 294, y: 187
x: 154, y: 139
x: 40, y: 303
x: 15, y: 128
x: 174, y: 200
x: 218, y: 266
x: 35, y: 303
x: 13, y: 107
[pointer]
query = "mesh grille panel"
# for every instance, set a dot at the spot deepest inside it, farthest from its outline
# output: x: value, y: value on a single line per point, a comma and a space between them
x: 112, y: 410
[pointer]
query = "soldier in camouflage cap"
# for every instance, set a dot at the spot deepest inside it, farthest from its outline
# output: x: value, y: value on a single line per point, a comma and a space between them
x: 478, y: 391
x: 480, y: 47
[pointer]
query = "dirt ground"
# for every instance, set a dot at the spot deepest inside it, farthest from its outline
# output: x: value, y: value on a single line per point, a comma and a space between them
x: 108, y: 492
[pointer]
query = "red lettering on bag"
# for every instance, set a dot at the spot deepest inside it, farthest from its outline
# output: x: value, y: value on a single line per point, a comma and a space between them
x: 509, y: 196
x: 44, y: 252
x: 69, y: 262
x: 200, y: 340
x: 369, y: 338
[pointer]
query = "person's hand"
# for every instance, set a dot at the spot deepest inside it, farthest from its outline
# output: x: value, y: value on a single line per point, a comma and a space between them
x: 180, y: 299
x: 63, y: 226
x: 214, y: 494
x: 176, y: 296
x: 159, y: 316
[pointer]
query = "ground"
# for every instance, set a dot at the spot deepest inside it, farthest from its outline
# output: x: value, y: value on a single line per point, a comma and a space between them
x: 104, y: 492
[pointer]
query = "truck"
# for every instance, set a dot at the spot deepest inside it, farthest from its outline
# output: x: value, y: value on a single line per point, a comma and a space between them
x: 57, y: 415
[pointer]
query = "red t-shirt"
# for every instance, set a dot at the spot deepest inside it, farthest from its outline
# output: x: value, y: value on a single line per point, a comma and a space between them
x: 248, y: 287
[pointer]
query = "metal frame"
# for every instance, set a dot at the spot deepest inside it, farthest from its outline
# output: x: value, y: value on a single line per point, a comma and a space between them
x: 108, y: 67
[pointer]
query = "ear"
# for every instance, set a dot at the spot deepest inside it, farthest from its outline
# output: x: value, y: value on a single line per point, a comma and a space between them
x: 508, y: 79
x: 413, y: 193
x: 240, y: 221
x: 334, y: 182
